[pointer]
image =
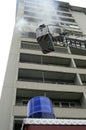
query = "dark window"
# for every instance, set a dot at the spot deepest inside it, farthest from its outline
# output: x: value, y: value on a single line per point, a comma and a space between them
x: 30, y: 19
x: 29, y: 13
x: 29, y: 35
x: 67, y: 19
x: 63, y: 9
x: 64, y: 14
x: 65, y: 104
x: 31, y: 46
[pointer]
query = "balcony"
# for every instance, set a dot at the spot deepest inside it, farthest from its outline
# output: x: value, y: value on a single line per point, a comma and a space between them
x: 44, y: 60
x: 49, y: 87
x: 53, y: 55
x: 79, y: 113
x: 80, y: 63
x: 42, y: 75
x: 35, y: 46
x: 48, y: 60
x: 78, y: 51
x: 66, y: 103
x: 83, y: 78
x: 69, y: 71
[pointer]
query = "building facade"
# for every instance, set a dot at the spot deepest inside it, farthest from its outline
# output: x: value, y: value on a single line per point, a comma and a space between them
x: 60, y: 75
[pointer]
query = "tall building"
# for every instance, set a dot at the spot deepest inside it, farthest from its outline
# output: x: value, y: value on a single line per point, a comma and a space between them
x: 60, y: 75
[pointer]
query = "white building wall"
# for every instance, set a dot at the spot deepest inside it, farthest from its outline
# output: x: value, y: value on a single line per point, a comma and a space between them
x: 9, y: 87
x: 80, y: 18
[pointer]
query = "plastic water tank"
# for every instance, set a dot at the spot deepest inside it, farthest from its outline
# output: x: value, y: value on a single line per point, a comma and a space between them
x: 40, y: 107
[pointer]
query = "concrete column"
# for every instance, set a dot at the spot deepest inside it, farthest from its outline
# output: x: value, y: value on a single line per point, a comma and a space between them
x: 78, y: 80
x: 41, y: 59
x: 83, y: 100
x: 72, y: 64
x: 43, y: 77
x: 45, y: 94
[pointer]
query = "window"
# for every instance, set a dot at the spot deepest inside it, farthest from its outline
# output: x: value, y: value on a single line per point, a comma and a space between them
x: 66, y: 103
x: 28, y: 8
x: 73, y: 26
x: 29, y: 13
x: 83, y: 45
x: 32, y: 46
x: 63, y: 9
x: 31, y: 19
x: 17, y: 124
x: 24, y: 102
x: 29, y: 35
x: 64, y: 14
x: 56, y: 103
x: 67, y: 19
x: 29, y: 3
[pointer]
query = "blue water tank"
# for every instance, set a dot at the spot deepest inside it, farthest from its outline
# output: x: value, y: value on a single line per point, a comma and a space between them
x: 40, y: 107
